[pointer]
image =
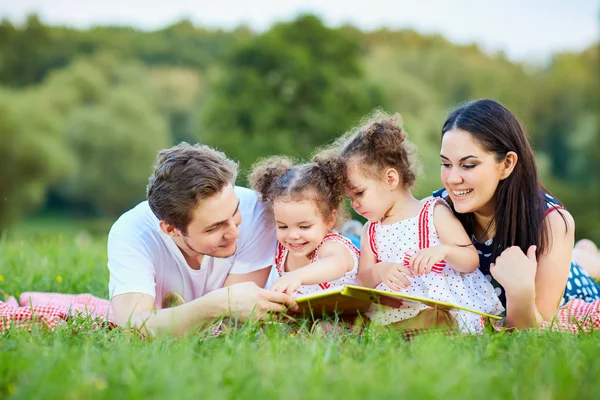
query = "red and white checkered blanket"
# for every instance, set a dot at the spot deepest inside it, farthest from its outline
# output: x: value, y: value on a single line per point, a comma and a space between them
x: 49, y: 310
x: 576, y: 316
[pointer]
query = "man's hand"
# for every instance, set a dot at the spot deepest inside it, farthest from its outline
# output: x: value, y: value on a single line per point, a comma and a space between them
x: 242, y: 301
x: 247, y: 300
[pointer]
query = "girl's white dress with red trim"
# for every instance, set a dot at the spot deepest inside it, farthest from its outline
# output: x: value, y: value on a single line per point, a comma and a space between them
x: 348, y: 279
x: 397, y: 242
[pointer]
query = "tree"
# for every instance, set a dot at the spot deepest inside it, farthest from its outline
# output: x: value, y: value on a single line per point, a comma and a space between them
x: 32, y: 153
x: 179, y: 93
x: 113, y: 126
x: 289, y: 90
x: 115, y: 143
x: 24, y: 52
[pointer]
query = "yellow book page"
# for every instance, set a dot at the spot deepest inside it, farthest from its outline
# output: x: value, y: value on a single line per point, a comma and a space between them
x: 375, y: 295
x: 352, y: 300
x: 331, y: 302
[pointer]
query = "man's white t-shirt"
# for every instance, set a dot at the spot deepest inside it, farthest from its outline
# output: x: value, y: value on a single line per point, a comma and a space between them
x: 144, y: 259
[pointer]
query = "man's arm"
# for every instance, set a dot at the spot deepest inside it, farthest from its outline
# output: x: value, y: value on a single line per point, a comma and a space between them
x: 242, y: 301
x: 137, y: 310
x: 259, y: 277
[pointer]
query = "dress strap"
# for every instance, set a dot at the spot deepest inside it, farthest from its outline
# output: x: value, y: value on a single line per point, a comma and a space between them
x: 279, y: 257
x: 336, y: 237
x: 425, y: 228
x: 553, y: 208
x: 371, y: 231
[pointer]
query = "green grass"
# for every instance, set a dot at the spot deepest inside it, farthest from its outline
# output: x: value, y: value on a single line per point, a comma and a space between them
x: 264, y: 363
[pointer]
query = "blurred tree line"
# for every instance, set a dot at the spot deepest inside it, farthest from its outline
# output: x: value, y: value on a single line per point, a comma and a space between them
x: 83, y: 112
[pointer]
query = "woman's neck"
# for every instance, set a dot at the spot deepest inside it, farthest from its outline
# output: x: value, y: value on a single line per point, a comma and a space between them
x: 485, y: 228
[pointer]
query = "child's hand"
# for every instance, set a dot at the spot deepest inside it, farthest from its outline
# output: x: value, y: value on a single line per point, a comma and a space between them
x: 394, y: 275
x: 287, y: 284
x: 423, y: 261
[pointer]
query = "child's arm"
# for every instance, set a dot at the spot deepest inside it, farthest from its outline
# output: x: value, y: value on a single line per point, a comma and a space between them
x: 461, y: 253
x: 334, y: 261
x: 456, y: 248
x: 371, y: 273
x: 368, y: 274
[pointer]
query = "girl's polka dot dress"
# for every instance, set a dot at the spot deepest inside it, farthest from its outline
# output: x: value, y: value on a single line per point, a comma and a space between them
x: 397, y: 242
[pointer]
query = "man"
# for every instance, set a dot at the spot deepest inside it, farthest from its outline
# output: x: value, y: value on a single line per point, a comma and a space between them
x: 198, y: 236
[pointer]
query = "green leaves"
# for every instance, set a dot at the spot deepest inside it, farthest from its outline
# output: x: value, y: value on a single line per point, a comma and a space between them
x: 289, y: 90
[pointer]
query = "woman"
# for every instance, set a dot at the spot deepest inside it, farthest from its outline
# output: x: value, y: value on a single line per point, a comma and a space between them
x: 522, y: 233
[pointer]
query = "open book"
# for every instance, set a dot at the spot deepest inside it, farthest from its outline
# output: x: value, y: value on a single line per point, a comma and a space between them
x: 352, y: 300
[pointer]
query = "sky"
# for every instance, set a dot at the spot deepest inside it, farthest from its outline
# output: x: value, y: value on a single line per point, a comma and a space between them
x: 526, y: 30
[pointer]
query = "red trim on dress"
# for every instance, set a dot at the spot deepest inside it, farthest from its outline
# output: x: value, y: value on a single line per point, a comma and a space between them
x: 372, y: 243
x: 331, y: 237
x: 553, y: 208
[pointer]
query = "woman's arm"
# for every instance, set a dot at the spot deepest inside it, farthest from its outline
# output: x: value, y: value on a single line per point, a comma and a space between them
x: 553, y: 267
x: 534, y: 287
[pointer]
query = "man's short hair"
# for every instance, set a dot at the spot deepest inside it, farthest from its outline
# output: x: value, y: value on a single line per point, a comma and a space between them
x: 184, y: 175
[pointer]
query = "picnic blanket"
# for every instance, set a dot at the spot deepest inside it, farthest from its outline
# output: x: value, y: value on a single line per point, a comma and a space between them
x: 49, y: 310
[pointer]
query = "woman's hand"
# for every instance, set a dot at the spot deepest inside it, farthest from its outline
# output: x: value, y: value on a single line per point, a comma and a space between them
x: 516, y: 271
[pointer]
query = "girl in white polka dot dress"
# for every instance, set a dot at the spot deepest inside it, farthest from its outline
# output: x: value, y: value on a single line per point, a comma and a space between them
x: 415, y: 247
x: 307, y: 203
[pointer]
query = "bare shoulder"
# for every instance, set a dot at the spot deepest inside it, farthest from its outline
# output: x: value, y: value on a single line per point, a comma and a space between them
x: 560, y: 222
x: 365, y: 228
x: 442, y: 212
x: 332, y: 248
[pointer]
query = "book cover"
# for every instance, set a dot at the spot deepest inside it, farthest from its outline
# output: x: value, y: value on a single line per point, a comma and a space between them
x: 351, y: 300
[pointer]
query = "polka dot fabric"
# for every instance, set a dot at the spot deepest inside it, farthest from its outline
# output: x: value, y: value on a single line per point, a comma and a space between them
x: 394, y: 241
x: 348, y: 279
x: 580, y: 285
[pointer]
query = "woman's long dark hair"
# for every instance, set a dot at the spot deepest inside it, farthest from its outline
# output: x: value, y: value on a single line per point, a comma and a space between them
x: 520, y: 206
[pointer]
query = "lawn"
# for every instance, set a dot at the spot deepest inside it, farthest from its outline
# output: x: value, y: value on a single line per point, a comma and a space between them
x: 267, y: 363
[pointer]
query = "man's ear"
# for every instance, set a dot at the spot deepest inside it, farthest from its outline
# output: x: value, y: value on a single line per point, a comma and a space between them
x: 169, y: 229
x: 509, y: 164
x: 392, y: 178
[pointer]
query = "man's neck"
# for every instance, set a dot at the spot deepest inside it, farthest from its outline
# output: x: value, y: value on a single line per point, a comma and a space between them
x: 193, y: 259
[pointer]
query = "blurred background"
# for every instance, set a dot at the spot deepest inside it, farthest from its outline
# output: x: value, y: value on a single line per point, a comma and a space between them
x: 89, y: 92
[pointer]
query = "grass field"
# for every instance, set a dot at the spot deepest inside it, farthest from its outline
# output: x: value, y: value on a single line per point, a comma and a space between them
x: 263, y: 363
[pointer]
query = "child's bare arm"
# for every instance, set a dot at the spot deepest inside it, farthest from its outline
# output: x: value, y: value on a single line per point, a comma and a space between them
x: 367, y: 269
x: 334, y: 261
x: 371, y: 273
x: 460, y: 252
